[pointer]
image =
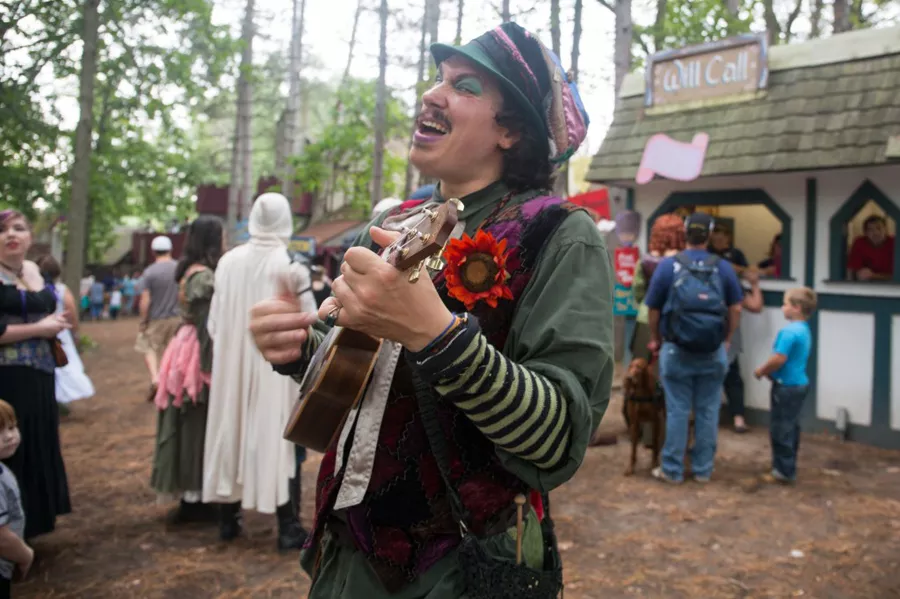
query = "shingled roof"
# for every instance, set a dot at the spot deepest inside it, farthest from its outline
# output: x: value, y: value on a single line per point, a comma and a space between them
x: 830, y: 103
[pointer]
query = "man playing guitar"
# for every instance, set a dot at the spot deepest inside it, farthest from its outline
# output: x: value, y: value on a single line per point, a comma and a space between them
x: 512, y: 338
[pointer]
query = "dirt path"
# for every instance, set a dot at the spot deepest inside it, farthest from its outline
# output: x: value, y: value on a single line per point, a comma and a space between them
x: 621, y: 537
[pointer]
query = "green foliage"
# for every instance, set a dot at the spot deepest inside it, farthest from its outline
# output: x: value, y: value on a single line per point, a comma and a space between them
x: 85, y: 344
x: 156, y: 58
x: 343, y: 153
x: 690, y: 22
x: 213, y: 120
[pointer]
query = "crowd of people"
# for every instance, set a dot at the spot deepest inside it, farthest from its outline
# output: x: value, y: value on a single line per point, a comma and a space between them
x: 494, y: 373
x: 691, y: 302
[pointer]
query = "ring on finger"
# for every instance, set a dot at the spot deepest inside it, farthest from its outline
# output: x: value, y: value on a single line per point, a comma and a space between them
x: 332, y: 317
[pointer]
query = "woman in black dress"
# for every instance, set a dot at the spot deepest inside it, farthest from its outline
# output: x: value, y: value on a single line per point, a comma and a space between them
x: 27, y: 324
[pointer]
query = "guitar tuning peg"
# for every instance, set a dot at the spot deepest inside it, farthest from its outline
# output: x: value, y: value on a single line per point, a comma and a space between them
x: 414, y: 274
x: 456, y: 202
x: 434, y: 262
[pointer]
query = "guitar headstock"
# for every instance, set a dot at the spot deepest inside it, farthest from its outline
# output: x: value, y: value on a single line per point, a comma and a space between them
x: 425, y: 238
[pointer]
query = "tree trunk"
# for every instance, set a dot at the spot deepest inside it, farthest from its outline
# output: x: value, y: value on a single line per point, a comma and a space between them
x: 245, y: 93
x: 733, y: 7
x: 380, y: 109
x: 459, y: 19
x: 281, y: 150
x: 434, y: 21
x: 659, y: 26
x: 576, y: 42
x: 623, y: 41
x: 792, y: 18
x: 815, y: 18
x: 504, y: 12
x: 560, y: 183
x: 554, y: 27
x: 841, y: 16
x: 234, y: 185
x: 241, y: 158
x: 81, y: 169
x: 291, y: 113
x: 772, y: 25
x: 350, y: 48
x: 420, y: 89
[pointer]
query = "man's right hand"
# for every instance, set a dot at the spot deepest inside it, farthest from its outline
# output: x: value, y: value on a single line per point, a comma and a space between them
x: 279, y: 327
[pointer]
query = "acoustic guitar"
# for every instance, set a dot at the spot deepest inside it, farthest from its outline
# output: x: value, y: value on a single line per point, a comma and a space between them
x: 339, y: 372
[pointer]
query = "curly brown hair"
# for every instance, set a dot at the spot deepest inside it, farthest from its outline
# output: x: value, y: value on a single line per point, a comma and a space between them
x: 667, y: 234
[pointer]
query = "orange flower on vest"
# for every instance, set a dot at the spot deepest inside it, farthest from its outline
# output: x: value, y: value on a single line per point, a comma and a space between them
x: 476, y: 269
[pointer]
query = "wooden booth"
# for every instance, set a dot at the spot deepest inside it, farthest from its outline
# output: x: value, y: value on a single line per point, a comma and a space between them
x: 799, y: 141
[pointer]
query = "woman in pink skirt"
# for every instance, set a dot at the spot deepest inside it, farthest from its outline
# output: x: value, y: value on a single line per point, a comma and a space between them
x: 184, y: 376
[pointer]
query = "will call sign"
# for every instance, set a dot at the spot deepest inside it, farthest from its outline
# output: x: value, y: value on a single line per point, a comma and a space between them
x: 727, y: 68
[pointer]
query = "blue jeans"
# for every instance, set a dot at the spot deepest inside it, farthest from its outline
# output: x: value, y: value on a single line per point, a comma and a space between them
x: 96, y: 310
x: 691, y: 381
x: 784, y: 427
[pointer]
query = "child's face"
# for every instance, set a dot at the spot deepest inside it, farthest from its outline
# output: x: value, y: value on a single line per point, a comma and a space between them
x: 790, y: 311
x: 9, y: 441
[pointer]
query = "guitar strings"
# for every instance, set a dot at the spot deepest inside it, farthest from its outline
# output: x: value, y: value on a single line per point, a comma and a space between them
x: 398, y: 245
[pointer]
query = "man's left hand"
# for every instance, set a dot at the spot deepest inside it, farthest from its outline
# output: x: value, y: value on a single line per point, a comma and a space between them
x: 377, y: 299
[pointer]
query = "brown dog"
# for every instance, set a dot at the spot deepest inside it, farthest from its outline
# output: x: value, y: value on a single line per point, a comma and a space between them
x: 644, y: 402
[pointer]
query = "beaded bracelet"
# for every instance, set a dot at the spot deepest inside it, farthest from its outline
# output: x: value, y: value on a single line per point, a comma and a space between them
x: 438, y: 342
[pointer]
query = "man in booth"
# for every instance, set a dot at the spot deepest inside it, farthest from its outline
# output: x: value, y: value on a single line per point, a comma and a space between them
x: 721, y: 243
x: 872, y: 254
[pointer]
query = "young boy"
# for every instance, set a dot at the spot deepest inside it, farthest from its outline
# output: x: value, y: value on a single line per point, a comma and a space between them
x: 115, y: 303
x: 790, y: 385
x: 16, y: 557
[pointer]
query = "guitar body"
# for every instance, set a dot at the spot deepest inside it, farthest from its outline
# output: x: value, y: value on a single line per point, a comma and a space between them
x: 339, y: 372
x: 333, y: 385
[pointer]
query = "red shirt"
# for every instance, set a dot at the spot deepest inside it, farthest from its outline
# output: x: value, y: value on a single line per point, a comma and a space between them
x: 877, y: 258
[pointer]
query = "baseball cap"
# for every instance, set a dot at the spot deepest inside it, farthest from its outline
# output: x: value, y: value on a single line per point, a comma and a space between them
x: 699, y: 221
x: 161, y: 244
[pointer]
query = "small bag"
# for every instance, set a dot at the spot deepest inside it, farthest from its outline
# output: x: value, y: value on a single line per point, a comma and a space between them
x: 485, y: 576
x: 59, y: 354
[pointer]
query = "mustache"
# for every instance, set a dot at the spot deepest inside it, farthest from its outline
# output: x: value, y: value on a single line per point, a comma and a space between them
x: 433, y: 115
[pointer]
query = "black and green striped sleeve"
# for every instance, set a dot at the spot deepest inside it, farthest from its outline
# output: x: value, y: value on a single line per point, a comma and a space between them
x: 540, y: 397
x: 517, y: 409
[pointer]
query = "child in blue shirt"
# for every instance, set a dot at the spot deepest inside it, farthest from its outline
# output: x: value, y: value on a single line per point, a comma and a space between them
x: 786, y: 367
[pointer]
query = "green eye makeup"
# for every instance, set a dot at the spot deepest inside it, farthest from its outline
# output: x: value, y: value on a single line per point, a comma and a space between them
x: 470, y: 85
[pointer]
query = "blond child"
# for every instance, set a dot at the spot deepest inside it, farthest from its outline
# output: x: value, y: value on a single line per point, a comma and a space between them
x: 16, y: 556
x: 786, y: 367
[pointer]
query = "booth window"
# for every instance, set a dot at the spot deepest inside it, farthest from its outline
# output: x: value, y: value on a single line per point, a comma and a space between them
x: 750, y: 230
x: 863, y: 233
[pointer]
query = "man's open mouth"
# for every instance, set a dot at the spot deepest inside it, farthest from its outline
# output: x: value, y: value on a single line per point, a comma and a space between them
x: 433, y: 127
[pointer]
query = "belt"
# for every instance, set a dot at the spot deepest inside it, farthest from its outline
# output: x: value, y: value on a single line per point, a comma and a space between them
x: 336, y: 524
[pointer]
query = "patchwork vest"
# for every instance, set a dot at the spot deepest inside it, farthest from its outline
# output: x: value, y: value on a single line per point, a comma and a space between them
x: 404, y: 524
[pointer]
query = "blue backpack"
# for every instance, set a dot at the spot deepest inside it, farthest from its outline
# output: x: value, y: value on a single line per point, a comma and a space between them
x: 695, y: 311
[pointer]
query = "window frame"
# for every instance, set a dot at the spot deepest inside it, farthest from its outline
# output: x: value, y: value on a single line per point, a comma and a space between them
x: 838, y: 243
x: 734, y: 197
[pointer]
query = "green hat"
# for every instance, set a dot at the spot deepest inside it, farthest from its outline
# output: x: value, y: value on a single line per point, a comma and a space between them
x: 533, y: 76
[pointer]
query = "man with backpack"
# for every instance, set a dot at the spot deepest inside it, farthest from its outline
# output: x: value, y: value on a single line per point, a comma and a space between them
x: 695, y: 306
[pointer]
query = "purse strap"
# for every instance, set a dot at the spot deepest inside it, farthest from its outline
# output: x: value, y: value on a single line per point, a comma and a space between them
x: 437, y: 441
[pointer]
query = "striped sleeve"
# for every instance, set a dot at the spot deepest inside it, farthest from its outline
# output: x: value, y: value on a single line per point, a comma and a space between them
x: 517, y: 409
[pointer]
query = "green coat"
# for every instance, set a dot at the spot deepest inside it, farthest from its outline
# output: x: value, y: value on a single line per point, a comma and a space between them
x: 562, y: 329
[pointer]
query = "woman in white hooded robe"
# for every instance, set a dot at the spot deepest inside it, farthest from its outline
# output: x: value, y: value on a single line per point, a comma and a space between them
x: 247, y: 463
